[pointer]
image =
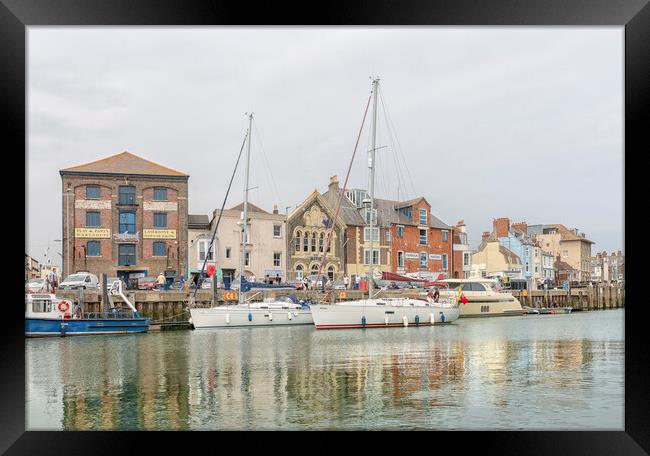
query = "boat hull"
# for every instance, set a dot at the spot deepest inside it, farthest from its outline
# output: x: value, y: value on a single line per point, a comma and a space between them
x: 351, y: 316
x: 232, y: 317
x: 489, y: 308
x: 42, y: 327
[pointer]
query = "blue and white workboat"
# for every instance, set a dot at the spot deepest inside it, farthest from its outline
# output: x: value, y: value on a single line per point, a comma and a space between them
x: 47, y: 315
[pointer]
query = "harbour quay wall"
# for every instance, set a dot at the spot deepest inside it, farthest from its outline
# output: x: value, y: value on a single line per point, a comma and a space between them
x: 597, y: 297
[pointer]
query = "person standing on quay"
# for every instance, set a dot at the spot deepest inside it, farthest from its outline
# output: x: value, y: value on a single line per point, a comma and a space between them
x: 161, y: 281
x: 346, y: 282
x: 53, y: 281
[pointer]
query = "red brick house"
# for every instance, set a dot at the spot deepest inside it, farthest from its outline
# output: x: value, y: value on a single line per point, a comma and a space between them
x: 408, y: 238
x: 125, y: 216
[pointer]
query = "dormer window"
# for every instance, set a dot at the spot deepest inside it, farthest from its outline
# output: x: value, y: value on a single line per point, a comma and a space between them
x: 423, y: 217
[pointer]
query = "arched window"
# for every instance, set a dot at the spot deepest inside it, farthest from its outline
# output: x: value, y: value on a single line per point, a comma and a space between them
x: 330, y: 273
x: 305, y: 242
x: 299, y: 270
x: 314, y: 269
x: 297, y: 241
x: 313, y: 242
x: 321, y: 241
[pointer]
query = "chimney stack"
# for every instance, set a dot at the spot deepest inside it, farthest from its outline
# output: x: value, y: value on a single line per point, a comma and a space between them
x: 501, y: 226
x: 275, y: 209
x: 334, y: 183
x: 486, y: 234
x: 521, y: 226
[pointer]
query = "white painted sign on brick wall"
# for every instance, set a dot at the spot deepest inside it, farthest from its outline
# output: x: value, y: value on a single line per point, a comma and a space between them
x: 92, y: 204
x: 160, y: 206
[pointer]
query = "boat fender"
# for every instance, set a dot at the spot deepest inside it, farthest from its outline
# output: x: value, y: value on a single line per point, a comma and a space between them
x: 63, y: 306
x: 442, y: 317
x: 270, y: 316
x: 289, y: 315
x: 432, y: 319
x: 227, y: 319
x: 250, y: 316
x: 405, y: 320
x: 417, y: 320
x: 363, y: 321
x: 386, y: 319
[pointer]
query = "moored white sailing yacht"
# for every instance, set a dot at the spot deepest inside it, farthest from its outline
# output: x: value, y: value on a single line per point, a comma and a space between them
x: 381, y: 312
x: 272, y: 312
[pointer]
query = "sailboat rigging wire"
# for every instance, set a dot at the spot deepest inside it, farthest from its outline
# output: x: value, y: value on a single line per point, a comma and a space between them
x: 389, y: 122
x: 268, y: 166
x: 223, y: 205
x: 342, y: 192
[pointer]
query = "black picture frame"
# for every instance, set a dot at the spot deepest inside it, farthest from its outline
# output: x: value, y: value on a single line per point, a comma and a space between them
x: 634, y: 15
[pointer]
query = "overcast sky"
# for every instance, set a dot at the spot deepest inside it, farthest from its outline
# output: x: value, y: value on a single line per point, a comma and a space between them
x: 516, y: 122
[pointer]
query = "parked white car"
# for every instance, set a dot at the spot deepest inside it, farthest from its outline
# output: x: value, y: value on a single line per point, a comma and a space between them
x: 83, y: 280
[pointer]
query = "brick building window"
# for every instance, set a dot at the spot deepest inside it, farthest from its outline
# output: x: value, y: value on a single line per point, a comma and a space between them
x: 127, y: 222
x: 423, y: 237
x: 400, y: 230
x: 160, y: 194
x: 366, y: 234
x: 160, y: 220
x: 387, y: 237
x: 92, y: 192
x: 126, y: 254
x: 366, y: 256
x: 445, y: 235
x: 423, y: 217
x: 92, y: 248
x: 400, y: 260
x: 276, y: 259
x: 277, y: 230
x: 444, y: 261
x: 424, y: 262
x: 159, y: 248
x: 92, y: 219
x: 126, y: 194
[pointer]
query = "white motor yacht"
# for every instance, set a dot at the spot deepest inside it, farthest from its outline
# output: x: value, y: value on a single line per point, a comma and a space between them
x: 482, y: 298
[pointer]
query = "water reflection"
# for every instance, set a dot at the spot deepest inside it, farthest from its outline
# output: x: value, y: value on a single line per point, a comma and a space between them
x: 507, y: 373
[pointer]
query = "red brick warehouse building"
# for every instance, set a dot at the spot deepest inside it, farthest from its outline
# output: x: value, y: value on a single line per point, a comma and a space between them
x: 125, y: 216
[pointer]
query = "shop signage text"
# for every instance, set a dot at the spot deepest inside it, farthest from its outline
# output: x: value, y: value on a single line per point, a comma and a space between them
x: 94, y: 233
x: 159, y: 234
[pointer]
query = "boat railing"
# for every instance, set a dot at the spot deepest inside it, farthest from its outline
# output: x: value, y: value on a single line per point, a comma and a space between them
x: 109, y: 315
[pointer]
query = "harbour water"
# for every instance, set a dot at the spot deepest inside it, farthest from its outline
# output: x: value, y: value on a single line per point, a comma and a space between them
x: 563, y: 372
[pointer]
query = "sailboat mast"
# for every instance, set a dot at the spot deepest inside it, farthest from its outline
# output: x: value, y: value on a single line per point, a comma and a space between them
x: 244, y: 237
x: 371, y: 166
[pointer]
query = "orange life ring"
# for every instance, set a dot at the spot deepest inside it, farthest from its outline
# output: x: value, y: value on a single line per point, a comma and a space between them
x: 63, y: 306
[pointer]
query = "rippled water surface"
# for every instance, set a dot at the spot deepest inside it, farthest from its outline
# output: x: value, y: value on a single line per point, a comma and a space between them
x: 530, y: 372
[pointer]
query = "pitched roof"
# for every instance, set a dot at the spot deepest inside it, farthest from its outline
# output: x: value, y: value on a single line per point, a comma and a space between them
x: 565, y: 233
x: 387, y: 213
x: 124, y: 163
x: 562, y: 266
x: 251, y: 208
x: 511, y: 257
x: 199, y: 220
